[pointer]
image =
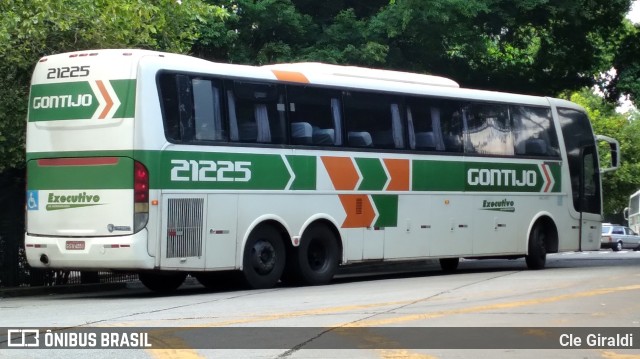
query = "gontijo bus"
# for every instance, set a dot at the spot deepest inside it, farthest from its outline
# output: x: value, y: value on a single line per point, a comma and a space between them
x: 165, y: 165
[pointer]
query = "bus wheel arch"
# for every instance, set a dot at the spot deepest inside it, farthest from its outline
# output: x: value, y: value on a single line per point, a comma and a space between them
x: 316, y: 260
x: 542, y: 239
x: 264, y: 254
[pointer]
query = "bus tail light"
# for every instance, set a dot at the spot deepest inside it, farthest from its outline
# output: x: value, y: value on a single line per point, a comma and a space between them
x: 140, y: 196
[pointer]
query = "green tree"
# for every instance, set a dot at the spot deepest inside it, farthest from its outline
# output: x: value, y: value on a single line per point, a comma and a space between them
x: 618, y: 185
x: 30, y: 29
x: 627, y: 64
x: 258, y: 32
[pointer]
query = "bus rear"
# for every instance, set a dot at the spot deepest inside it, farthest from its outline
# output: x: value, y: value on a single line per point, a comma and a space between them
x: 87, y: 198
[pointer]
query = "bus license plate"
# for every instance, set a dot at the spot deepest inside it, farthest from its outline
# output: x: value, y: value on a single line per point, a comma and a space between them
x: 75, y: 245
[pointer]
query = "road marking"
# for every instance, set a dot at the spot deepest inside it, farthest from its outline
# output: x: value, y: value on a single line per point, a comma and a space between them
x: 178, y: 342
x: 486, y: 308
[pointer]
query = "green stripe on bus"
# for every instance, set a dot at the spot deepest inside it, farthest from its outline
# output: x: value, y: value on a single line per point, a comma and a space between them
x: 387, y: 206
x: 126, y: 92
x: 112, y: 176
x: 430, y: 175
x: 304, y: 168
x: 62, y: 101
x: 373, y: 175
x: 79, y: 101
x: 192, y: 170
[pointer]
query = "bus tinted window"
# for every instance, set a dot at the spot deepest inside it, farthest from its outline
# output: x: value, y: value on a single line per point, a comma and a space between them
x: 256, y: 112
x: 315, y: 116
x: 533, y: 131
x: 373, y: 120
x: 488, y: 130
x: 191, y: 108
x: 434, y: 125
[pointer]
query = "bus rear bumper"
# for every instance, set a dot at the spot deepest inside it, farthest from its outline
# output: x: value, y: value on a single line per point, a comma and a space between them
x: 97, y: 253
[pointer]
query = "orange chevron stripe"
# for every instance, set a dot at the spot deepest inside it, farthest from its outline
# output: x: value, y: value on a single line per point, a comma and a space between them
x: 359, y: 210
x: 399, y: 172
x: 105, y: 95
x: 290, y: 76
x: 342, y: 172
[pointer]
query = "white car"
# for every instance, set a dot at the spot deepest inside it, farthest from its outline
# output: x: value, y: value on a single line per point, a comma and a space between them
x: 618, y: 237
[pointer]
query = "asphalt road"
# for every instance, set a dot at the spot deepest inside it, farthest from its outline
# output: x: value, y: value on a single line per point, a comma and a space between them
x: 389, y: 312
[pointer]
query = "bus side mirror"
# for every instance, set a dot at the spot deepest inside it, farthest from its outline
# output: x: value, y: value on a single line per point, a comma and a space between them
x: 625, y: 213
x: 614, y: 147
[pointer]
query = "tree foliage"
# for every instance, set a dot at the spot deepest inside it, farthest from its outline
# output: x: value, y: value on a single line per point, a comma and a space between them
x: 532, y: 46
x: 627, y: 64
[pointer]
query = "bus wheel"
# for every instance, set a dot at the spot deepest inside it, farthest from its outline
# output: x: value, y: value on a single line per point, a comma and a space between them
x: 537, y: 257
x: 264, y: 258
x: 449, y: 264
x: 162, y: 282
x: 315, y: 261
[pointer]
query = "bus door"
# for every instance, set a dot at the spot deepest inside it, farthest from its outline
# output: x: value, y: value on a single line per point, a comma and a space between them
x: 589, y: 200
x: 582, y: 158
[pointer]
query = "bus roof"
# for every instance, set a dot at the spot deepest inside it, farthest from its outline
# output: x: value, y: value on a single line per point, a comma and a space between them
x: 315, y: 73
x: 356, y: 72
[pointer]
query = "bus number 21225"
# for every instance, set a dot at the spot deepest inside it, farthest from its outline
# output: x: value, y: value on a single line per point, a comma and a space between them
x: 210, y: 171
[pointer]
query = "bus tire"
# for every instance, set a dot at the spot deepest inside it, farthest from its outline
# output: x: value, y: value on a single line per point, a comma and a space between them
x: 537, y: 254
x: 449, y: 264
x: 264, y: 258
x: 162, y: 282
x: 315, y: 261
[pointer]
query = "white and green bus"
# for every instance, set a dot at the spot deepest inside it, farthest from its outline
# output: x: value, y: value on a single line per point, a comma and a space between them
x: 168, y: 165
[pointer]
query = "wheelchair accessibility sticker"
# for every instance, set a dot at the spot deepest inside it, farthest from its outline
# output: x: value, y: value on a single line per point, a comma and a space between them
x: 32, y: 200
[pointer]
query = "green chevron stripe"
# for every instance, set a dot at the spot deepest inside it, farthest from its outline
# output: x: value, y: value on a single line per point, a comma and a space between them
x: 387, y: 206
x: 373, y: 174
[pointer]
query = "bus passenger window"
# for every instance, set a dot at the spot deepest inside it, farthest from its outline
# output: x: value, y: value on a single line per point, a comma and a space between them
x: 315, y: 116
x: 191, y: 108
x: 433, y: 125
x: 256, y: 113
x: 488, y: 130
x: 373, y: 120
x: 208, y: 116
x: 533, y: 131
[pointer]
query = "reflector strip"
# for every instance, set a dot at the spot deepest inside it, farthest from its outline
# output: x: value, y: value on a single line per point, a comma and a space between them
x: 82, y: 161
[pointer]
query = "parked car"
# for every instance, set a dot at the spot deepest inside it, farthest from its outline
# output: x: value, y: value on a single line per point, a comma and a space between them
x: 618, y: 237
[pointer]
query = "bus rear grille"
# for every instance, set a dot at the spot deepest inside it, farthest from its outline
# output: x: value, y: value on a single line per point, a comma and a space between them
x: 184, y: 227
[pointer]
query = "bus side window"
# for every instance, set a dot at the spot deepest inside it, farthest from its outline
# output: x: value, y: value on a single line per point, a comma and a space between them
x: 533, y: 130
x: 191, y: 108
x: 373, y: 120
x: 207, y: 111
x: 451, y: 122
x: 424, y: 125
x: 488, y: 130
x: 315, y: 116
x: 256, y: 112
